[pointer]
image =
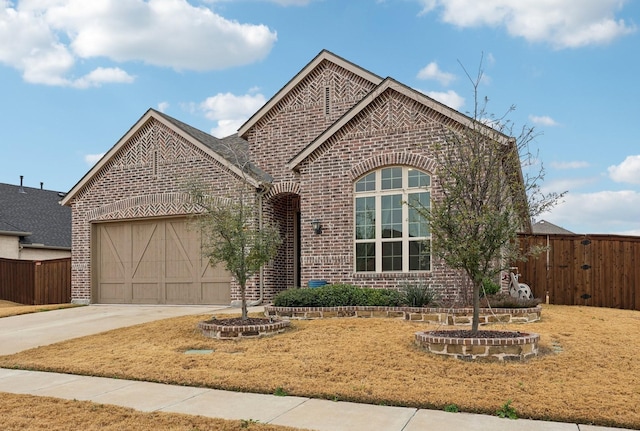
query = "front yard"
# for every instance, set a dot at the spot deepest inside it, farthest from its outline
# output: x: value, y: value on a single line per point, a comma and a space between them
x: 588, y: 371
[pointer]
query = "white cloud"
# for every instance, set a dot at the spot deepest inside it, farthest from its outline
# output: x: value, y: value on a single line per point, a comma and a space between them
x: 626, y: 172
x: 449, y: 98
x: 291, y: 2
x: 92, y: 159
x: 543, y: 120
x: 230, y: 111
x: 616, y: 212
x: 103, y: 75
x: 560, y: 23
x: 48, y: 38
x: 163, y: 106
x: 432, y: 71
x: 570, y: 165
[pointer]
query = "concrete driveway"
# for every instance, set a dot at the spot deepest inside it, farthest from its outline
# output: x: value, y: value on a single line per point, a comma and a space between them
x: 26, y: 331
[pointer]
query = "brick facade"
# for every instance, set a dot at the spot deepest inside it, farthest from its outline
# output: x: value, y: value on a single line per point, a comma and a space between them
x: 145, y: 178
x: 333, y: 123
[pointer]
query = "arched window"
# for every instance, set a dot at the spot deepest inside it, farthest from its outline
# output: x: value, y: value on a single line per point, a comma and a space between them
x: 390, y: 235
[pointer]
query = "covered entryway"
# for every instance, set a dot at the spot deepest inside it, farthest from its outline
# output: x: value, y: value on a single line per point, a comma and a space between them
x: 154, y: 261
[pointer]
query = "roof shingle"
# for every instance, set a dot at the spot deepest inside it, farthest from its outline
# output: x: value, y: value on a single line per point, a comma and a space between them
x: 35, y: 211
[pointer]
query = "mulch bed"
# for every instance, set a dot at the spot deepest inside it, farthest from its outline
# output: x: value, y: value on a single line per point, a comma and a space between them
x: 465, y: 333
x: 237, y: 321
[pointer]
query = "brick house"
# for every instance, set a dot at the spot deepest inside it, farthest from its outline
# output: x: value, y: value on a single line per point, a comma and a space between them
x: 337, y: 145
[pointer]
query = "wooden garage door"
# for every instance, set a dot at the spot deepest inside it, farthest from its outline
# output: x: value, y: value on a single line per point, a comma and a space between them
x: 155, y: 262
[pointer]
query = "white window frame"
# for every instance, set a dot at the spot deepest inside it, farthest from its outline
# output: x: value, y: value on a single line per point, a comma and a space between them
x: 377, y: 194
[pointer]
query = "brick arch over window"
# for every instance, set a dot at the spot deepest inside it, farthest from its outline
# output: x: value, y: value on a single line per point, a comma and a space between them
x: 284, y: 187
x: 385, y: 159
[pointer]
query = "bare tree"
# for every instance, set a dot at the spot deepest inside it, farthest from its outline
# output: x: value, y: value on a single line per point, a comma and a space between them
x: 482, y: 198
x: 232, y: 229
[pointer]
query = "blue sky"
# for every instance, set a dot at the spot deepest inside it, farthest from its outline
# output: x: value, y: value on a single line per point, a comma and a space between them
x: 75, y: 75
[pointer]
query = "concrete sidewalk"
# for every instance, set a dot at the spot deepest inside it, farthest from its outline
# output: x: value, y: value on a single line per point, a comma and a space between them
x: 299, y: 412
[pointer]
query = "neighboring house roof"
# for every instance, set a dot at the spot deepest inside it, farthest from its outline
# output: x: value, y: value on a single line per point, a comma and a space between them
x: 219, y: 149
x: 35, y: 215
x: 322, y: 56
x: 544, y: 227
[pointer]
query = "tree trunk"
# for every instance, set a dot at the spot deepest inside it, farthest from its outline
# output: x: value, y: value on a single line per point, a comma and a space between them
x: 476, y: 308
x: 243, y: 297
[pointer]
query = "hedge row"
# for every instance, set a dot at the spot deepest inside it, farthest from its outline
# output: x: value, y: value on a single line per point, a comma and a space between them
x: 338, y: 295
x: 342, y: 295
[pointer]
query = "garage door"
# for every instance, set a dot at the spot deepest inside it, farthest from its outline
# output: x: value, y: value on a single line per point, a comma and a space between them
x: 155, y: 262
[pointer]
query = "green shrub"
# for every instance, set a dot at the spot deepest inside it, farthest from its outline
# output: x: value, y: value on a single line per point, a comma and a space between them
x: 489, y: 287
x: 505, y: 300
x: 418, y: 295
x: 337, y: 295
x: 507, y: 411
x: 383, y: 298
x: 451, y: 408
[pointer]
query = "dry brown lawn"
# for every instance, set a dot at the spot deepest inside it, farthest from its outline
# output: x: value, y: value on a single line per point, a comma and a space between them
x: 589, y: 371
x: 8, y: 308
x: 24, y: 412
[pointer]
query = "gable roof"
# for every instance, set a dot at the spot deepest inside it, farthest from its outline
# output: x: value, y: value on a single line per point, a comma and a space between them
x: 220, y: 149
x: 35, y: 215
x: 546, y: 228
x: 322, y: 56
x: 390, y: 83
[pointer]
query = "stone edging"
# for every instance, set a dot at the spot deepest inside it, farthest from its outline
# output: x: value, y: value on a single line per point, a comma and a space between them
x: 493, y: 349
x: 440, y: 316
x: 212, y: 330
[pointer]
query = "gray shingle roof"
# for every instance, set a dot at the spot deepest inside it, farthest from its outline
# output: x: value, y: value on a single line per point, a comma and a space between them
x: 545, y: 227
x: 35, y: 211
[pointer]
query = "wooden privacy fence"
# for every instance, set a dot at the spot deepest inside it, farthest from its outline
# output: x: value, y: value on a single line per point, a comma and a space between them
x: 597, y: 270
x: 35, y: 282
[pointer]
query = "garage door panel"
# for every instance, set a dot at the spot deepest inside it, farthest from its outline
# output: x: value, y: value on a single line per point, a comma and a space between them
x: 182, y: 249
x: 112, y: 293
x: 155, y: 262
x: 111, y: 256
x: 216, y: 293
x: 146, y: 293
x: 186, y: 293
x: 147, y: 243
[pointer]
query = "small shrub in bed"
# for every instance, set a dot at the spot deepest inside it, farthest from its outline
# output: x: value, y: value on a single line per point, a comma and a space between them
x: 337, y: 295
x: 418, y: 295
x: 489, y: 287
x: 504, y: 300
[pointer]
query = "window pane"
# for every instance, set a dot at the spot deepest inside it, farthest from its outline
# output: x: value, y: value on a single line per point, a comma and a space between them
x: 419, y: 255
x: 391, y: 178
x: 366, y: 184
x: 391, y: 211
x: 366, y: 218
x: 418, y: 178
x: 392, y: 256
x: 418, y: 225
x: 365, y: 257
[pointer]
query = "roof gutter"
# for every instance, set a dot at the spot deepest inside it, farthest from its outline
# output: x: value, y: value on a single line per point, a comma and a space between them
x: 15, y: 233
x: 48, y: 247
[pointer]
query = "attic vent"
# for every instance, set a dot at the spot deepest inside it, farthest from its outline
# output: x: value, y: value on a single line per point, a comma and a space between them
x: 327, y: 100
x: 155, y: 163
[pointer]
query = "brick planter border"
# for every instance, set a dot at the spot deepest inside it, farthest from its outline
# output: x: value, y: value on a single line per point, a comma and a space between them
x: 223, y: 332
x: 491, y: 349
x: 440, y: 316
